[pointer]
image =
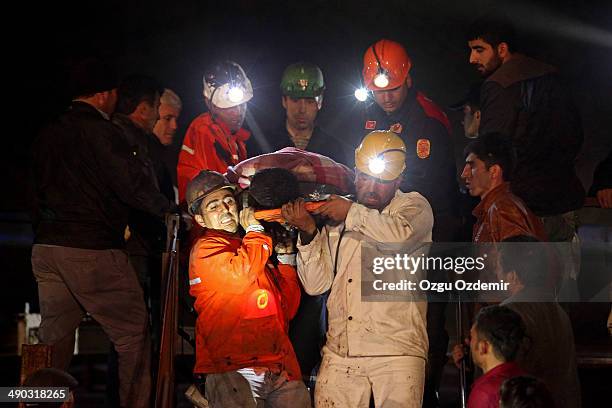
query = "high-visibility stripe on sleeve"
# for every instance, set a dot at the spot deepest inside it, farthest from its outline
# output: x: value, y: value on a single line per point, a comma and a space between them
x: 287, y: 259
x: 188, y: 149
x: 194, y: 281
x: 255, y: 228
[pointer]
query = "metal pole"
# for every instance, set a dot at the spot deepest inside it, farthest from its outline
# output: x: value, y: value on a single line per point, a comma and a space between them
x: 462, y: 368
x: 164, y: 395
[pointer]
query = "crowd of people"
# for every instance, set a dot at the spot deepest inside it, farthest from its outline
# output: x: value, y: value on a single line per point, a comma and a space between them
x: 281, y: 321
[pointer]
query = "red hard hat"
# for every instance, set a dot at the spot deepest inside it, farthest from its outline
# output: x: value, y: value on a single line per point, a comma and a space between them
x: 388, y: 57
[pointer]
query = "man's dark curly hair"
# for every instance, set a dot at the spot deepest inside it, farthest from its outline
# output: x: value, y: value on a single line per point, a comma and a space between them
x: 493, y: 30
x: 273, y: 187
x: 503, y: 328
x: 494, y: 148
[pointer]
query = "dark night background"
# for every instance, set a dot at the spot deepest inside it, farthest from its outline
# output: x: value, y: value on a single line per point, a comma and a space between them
x: 174, y: 41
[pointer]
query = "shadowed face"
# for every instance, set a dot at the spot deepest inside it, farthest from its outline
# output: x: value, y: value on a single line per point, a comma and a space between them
x: 148, y: 114
x: 373, y: 192
x: 233, y: 117
x: 109, y: 101
x: 166, y: 126
x: 476, y: 176
x: 484, y: 57
x: 392, y: 99
x: 471, y: 121
x: 301, y: 112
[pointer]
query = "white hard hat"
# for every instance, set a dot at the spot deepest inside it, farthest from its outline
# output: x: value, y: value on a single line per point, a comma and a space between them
x: 226, y: 85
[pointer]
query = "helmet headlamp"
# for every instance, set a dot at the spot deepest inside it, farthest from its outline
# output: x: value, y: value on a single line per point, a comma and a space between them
x: 361, y: 94
x: 235, y: 94
x: 381, y: 80
x: 377, y: 164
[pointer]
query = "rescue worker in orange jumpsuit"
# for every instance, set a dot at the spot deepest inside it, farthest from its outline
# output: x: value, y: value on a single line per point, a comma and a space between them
x: 216, y: 139
x: 244, y: 304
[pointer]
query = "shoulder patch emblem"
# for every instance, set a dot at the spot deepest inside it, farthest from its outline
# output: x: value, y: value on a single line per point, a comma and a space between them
x: 370, y: 124
x: 396, y: 128
x: 261, y: 303
x: 423, y: 148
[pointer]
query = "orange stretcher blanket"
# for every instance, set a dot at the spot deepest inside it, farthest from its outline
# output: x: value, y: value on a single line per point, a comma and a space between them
x: 274, y: 215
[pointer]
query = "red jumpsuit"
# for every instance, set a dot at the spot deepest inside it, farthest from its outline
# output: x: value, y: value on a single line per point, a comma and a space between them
x: 208, y: 145
x: 244, y: 304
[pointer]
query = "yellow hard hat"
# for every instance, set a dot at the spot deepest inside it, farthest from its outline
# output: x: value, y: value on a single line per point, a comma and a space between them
x: 381, y: 154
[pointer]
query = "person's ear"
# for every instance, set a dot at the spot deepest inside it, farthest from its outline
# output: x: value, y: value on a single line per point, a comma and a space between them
x: 284, y: 101
x: 512, y: 278
x: 503, y: 51
x: 477, y: 115
x: 320, y: 102
x: 200, y: 220
x: 102, y: 97
x: 408, y: 81
x: 496, y: 172
x: 142, y: 108
x: 483, y: 347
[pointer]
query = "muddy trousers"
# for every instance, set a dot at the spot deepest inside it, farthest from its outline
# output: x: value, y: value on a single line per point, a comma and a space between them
x: 245, y: 389
x: 72, y: 281
x: 395, y: 381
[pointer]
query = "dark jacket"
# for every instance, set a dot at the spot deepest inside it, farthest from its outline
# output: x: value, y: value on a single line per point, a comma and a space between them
x: 320, y: 142
x: 602, y: 178
x: 85, y: 179
x: 430, y: 160
x: 148, y: 232
x: 550, y: 353
x: 525, y: 100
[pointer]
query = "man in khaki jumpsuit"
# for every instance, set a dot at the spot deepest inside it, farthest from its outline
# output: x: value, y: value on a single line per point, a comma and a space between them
x: 372, y: 347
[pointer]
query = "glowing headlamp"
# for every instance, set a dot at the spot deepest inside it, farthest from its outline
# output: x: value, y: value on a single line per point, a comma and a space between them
x: 235, y: 94
x: 377, y: 164
x: 381, y: 80
x: 361, y: 94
